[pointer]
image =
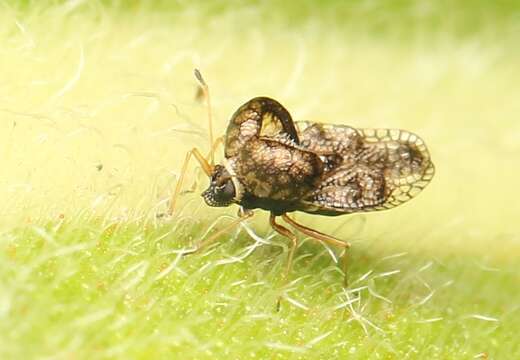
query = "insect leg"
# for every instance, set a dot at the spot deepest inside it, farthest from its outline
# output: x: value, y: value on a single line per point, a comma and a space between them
x: 206, y: 167
x: 315, y: 234
x: 294, y: 242
x: 244, y: 215
x: 218, y: 141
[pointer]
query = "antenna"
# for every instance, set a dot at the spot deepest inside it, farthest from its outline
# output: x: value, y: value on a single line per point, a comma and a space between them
x: 205, y: 90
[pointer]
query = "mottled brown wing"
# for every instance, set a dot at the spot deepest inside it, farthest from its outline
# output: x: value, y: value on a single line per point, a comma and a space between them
x: 259, y: 117
x: 347, y: 189
x: 335, y: 144
x: 382, y: 168
x: 328, y: 139
x: 408, y: 166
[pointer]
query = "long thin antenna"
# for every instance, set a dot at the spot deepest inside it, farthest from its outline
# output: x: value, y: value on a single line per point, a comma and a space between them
x: 205, y: 90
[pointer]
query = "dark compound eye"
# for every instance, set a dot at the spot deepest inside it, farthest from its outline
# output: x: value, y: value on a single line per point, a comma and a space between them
x: 221, y: 191
x: 225, y: 193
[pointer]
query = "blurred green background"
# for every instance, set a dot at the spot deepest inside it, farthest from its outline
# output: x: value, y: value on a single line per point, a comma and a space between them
x: 98, y: 107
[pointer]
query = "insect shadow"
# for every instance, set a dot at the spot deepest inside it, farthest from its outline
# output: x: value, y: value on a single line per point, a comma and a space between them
x: 276, y: 164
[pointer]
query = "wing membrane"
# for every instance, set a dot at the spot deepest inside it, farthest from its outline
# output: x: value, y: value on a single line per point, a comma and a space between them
x: 386, y: 168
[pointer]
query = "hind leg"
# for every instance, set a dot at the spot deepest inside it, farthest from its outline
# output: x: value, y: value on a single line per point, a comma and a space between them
x: 315, y: 234
x: 294, y: 243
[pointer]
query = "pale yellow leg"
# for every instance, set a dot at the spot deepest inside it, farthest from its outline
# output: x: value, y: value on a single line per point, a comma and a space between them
x: 219, y: 141
x: 203, y: 244
x: 315, y: 234
x: 294, y: 243
x: 206, y: 167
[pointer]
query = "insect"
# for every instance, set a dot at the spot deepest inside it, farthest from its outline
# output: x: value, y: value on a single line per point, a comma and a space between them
x: 275, y: 164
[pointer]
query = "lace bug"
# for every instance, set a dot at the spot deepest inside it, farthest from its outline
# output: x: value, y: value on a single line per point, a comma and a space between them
x: 276, y: 164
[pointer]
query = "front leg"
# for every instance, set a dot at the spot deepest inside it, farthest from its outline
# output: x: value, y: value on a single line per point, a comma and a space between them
x: 242, y: 216
x: 210, y: 156
x: 206, y: 167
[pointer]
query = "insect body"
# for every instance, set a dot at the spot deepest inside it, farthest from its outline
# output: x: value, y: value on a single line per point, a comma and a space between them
x: 275, y: 164
x: 315, y: 168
